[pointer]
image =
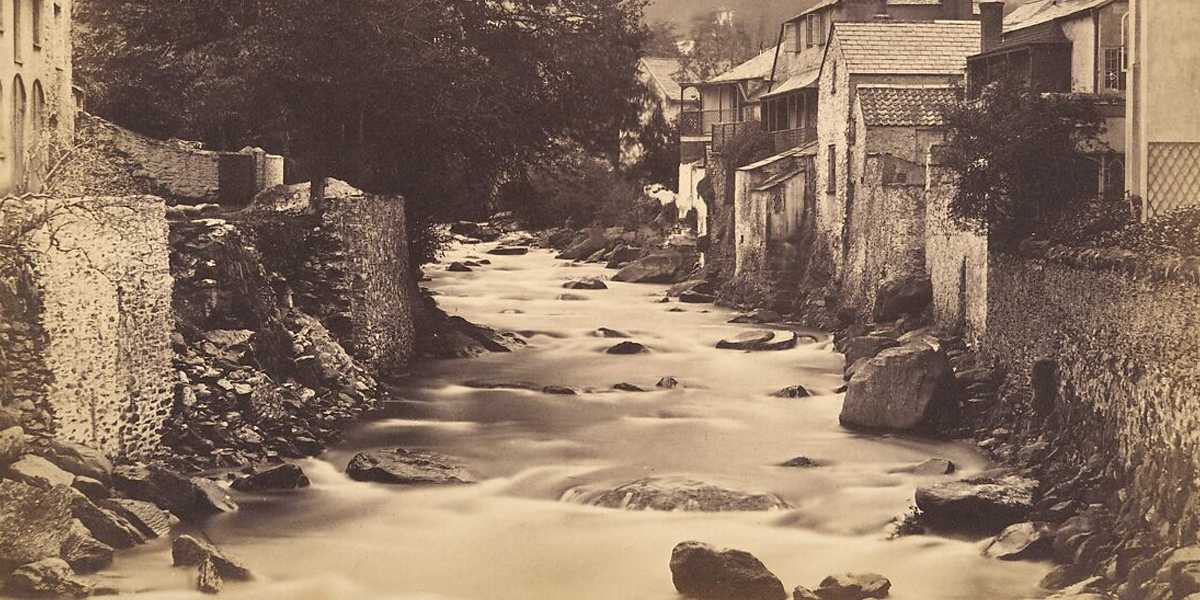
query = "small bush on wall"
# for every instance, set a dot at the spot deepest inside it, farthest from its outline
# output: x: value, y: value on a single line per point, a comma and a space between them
x: 1019, y: 156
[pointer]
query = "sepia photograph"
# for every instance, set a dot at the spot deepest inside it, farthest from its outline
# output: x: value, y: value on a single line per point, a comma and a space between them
x: 600, y: 299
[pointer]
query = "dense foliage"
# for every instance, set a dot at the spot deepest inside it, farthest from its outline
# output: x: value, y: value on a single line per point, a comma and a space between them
x: 438, y: 100
x: 1019, y: 154
x: 719, y: 43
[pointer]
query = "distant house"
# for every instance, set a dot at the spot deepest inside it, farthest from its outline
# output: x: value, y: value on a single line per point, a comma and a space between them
x: 662, y: 76
x: 36, y: 94
x: 1065, y: 46
x: 1163, y: 113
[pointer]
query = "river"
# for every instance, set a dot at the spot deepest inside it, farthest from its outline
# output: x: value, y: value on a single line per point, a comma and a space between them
x: 512, y: 537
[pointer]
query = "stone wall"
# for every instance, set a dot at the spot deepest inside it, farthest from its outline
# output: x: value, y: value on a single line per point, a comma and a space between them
x: 955, y: 259
x: 1127, y: 351
x: 97, y: 322
x: 181, y: 171
x: 885, y: 236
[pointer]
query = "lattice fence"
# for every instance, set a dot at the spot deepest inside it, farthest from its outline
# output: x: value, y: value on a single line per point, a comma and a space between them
x: 1173, y: 180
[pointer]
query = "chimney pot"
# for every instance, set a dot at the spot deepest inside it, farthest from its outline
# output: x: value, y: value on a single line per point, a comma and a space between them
x: 991, y: 23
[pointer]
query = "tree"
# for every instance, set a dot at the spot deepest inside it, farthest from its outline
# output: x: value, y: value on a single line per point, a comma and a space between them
x: 1020, y: 160
x: 437, y: 100
x: 662, y: 41
x: 658, y: 140
x: 719, y: 44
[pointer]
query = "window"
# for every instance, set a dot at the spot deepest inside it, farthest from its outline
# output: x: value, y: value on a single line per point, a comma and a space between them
x: 808, y: 24
x: 16, y: 33
x: 37, y: 24
x: 833, y: 77
x: 1114, y: 70
x: 797, y: 36
x: 18, y: 132
x: 831, y: 179
x: 816, y: 31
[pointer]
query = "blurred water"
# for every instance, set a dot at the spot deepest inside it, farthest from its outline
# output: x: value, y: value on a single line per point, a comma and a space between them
x: 510, y: 537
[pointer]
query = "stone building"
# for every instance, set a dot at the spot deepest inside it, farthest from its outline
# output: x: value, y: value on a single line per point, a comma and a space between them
x: 37, y: 105
x: 1163, y: 137
x: 874, y: 53
x: 1065, y: 46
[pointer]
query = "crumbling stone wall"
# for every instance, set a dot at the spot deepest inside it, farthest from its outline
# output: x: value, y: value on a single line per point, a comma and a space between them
x: 885, y: 234
x: 956, y: 259
x: 1125, y: 343
x: 181, y: 171
x: 95, y: 323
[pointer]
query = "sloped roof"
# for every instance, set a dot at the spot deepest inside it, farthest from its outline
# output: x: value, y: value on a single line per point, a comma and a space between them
x: 795, y: 82
x: 907, y: 47
x: 1045, y: 34
x: 905, y: 105
x: 824, y: 3
x: 662, y: 71
x: 758, y: 67
x: 1036, y: 12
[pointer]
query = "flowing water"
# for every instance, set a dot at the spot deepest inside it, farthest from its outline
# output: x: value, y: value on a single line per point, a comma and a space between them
x: 514, y: 536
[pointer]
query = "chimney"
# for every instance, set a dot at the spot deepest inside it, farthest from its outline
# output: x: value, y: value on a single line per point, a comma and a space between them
x: 991, y: 24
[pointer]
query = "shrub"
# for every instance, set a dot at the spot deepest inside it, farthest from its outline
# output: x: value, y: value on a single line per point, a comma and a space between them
x: 1018, y: 155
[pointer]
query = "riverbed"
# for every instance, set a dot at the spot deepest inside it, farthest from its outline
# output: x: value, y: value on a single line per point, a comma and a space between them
x: 522, y: 533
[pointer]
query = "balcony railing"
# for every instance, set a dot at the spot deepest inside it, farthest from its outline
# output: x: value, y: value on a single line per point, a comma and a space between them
x: 723, y: 132
x: 700, y: 122
x: 787, y: 139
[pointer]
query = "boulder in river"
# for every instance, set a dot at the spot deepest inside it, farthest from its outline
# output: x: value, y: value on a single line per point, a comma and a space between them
x: 668, y: 383
x: 795, y: 391
x: 627, y: 348
x: 488, y: 384
x: 191, y: 551
x: 587, y: 244
x: 758, y: 317
x: 208, y: 577
x: 50, y: 577
x: 587, y: 283
x: 903, y: 388
x: 866, y: 346
x: 693, y: 297
x: 457, y: 267
x: 662, y: 266
x: 407, y: 467
x: 747, y: 340
x: 509, y: 251
x: 34, y: 523
x: 801, y: 462
x: 904, y: 296
x: 571, y: 297
x: 279, y: 477
x: 933, y: 466
x: 705, y: 572
x: 853, y: 586
x: 83, y: 552
x: 188, y: 498
x: 628, y: 387
x: 1022, y: 541
x: 106, y: 526
x: 681, y: 494
x: 149, y: 519
x: 980, y: 505
x: 605, y: 332
x: 559, y: 390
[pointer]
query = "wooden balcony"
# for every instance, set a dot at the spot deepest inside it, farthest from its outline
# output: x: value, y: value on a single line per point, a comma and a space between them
x: 699, y: 123
x: 723, y: 132
x: 787, y: 139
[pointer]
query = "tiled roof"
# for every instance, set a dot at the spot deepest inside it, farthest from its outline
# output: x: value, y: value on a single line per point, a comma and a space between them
x: 758, y: 67
x: 904, y: 106
x: 1036, y: 12
x: 663, y: 72
x: 907, y: 47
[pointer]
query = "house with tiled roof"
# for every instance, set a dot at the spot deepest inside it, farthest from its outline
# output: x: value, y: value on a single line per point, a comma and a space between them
x: 662, y: 76
x: 1065, y: 46
x: 881, y: 86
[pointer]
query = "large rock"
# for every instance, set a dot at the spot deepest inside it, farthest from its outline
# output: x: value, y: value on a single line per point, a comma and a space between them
x: 34, y: 523
x: 149, y: 519
x: 407, y: 467
x: 747, y: 340
x: 12, y: 444
x: 279, y: 477
x: 681, y: 494
x: 106, y: 525
x: 898, y: 297
x: 50, y: 577
x: 39, y: 472
x: 904, y: 388
x: 587, y: 283
x: 626, y: 348
x: 1022, y: 541
x: 853, y: 586
x: 187, y: 498
x: 587, y: 245
x: 704, y: 572
x: 758, y: 317
x: 83, y: 552
x: 794, y: 391
x: 663, y: 266
x: 190, y: 551
x: 981, y: 505
x: 866, y: 346
x: 509, y: 251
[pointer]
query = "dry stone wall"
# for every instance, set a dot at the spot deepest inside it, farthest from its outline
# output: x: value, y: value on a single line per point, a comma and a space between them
x: 1128, y: 385
x: 956, y: 259
x: 96, y: 322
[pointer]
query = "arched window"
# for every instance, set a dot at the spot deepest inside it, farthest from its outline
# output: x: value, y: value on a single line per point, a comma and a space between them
x: 18, y: 132
x: 39, y: 140
x: 17, y: 35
